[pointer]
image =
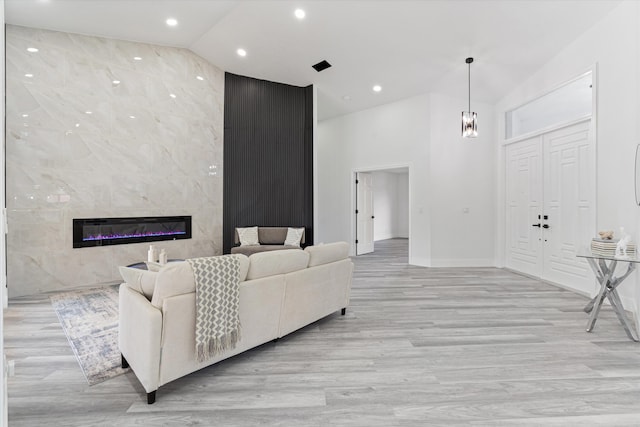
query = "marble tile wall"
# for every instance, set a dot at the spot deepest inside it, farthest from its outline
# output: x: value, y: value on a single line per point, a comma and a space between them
x: 105, y: 128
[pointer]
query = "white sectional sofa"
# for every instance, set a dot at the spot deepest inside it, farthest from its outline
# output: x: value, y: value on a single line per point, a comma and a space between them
x: 280, y: 292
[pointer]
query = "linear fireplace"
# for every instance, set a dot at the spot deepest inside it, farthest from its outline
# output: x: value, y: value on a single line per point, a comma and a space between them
x: 117, y: 231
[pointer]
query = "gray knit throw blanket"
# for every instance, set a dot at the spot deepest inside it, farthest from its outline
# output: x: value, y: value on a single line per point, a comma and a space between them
x: 217, y: 304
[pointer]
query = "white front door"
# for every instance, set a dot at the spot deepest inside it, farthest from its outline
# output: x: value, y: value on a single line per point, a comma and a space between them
x: 550, y: 205
x: 569, y: 204
x: 524, y: 206
x: 364, y: 213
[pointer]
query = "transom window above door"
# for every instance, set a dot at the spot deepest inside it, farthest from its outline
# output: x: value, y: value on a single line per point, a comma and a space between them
x: 570, y: 102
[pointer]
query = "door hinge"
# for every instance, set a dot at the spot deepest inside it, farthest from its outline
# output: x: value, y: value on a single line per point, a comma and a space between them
x: 357, y: 182
x: 356, y: 241
x: 357, y: 211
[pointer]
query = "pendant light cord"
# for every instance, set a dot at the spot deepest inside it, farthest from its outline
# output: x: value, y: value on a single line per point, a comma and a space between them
x: 469, y: 61
x: 469, y: 87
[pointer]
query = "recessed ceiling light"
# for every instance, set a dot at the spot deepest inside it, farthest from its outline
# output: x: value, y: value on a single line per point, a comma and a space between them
x: 88, y: 112
x: 29, y: 75
x: 199, y: 77
x: 241, y: 52
x: 377, y: 88
x: 137, y: 58
x: 172, y: 22
x: 116, y: 82
x: 132, y: 117
x: 77, y: 125
x: 32, y: 49
x: 300, y: 14
x: 173, y: 95
x: 25, y: 115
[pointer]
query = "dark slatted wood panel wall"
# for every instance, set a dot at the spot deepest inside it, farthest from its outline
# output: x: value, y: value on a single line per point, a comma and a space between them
x: 268, y: 156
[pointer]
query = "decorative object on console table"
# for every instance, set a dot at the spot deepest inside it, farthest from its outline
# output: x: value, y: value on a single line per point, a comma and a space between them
x: 606, y: 245
x: 623, y: 244
x: 607, y: 248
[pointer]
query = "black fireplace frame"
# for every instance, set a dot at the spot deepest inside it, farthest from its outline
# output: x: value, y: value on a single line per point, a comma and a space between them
x: 80, y: 223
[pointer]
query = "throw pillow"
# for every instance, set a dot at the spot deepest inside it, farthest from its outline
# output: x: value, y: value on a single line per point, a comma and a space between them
x: 294, y: 235
x: 142, y: 281
x: 248, y: 236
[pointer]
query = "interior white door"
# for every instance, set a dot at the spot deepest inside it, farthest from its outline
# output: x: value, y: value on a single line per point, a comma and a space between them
x: 569, y: 204
x: 550, y: 205
x: 364, y: 213
x: 524, y: 206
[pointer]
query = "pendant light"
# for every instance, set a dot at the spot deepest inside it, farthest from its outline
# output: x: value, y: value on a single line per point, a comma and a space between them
x: 469, y: 118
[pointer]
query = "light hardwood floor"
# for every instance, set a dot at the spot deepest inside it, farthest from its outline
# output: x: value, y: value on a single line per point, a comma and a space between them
x: 417, y: 347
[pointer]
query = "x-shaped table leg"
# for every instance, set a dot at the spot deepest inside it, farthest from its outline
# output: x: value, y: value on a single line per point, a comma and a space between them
x: 608, y: 285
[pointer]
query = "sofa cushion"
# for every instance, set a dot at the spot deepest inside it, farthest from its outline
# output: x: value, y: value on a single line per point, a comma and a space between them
x: 324, y: 254
x: 177, y: 279
x: 141, y: 281
x: 248, y: 236
x: 272, y: 235
x: 270, y: 263
x: 294, y: 235
x: 250, y: 250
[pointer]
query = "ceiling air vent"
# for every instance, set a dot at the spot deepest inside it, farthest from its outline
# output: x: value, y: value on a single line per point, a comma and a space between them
x: 322, y: 65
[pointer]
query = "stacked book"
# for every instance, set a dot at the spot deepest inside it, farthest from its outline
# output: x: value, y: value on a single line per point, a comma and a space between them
x: 607, y: 247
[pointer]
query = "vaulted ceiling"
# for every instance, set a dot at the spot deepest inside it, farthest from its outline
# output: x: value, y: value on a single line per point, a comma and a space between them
x: 406, y: 47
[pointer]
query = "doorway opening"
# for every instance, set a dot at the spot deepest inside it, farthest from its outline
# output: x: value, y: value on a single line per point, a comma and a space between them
x: 381, y: 198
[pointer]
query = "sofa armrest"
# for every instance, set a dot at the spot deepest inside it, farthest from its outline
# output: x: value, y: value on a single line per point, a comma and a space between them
x: 140, y: 333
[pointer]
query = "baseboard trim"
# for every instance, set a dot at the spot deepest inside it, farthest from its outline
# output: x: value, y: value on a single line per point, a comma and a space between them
x: 459, y: 263
x: 420, y: 262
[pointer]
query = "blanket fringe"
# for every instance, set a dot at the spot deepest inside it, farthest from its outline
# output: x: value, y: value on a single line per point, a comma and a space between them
x: 217, y: 345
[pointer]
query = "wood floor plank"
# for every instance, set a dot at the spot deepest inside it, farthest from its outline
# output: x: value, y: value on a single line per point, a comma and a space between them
x: 417, y: 346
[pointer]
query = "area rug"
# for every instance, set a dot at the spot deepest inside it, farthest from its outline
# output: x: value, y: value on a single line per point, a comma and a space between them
x: 89, y: 318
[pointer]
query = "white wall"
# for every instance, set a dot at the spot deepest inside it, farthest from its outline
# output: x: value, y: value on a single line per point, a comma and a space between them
x: 422, y: 133
x: 613, y: 44
x: 402, y: 209
x: 390, y: 205
x: 385, y: 137
x: 3, y: 271
x: 463, y: 173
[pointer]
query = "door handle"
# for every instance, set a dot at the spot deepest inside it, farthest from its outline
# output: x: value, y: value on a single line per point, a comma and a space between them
x: 546, y: 226
x: 535, y: 225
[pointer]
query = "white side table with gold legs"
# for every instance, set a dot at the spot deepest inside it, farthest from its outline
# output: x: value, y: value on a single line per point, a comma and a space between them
x: 604, y: 268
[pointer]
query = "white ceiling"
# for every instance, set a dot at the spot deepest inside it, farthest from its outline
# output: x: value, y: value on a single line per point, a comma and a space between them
x: 407, y: 47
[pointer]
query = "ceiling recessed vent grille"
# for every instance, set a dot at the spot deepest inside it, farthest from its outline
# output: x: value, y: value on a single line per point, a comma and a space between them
x: 322, y: 65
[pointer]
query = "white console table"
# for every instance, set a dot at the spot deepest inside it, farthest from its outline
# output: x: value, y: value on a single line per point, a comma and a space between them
x: 604, y: 268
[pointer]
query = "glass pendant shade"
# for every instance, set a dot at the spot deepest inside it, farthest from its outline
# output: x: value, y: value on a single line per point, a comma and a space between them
x: 469, y: 124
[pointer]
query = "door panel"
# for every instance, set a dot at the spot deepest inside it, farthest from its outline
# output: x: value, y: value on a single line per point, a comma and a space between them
x: 364, y: 217
x: 569, y: 188
x: 524, y: 204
